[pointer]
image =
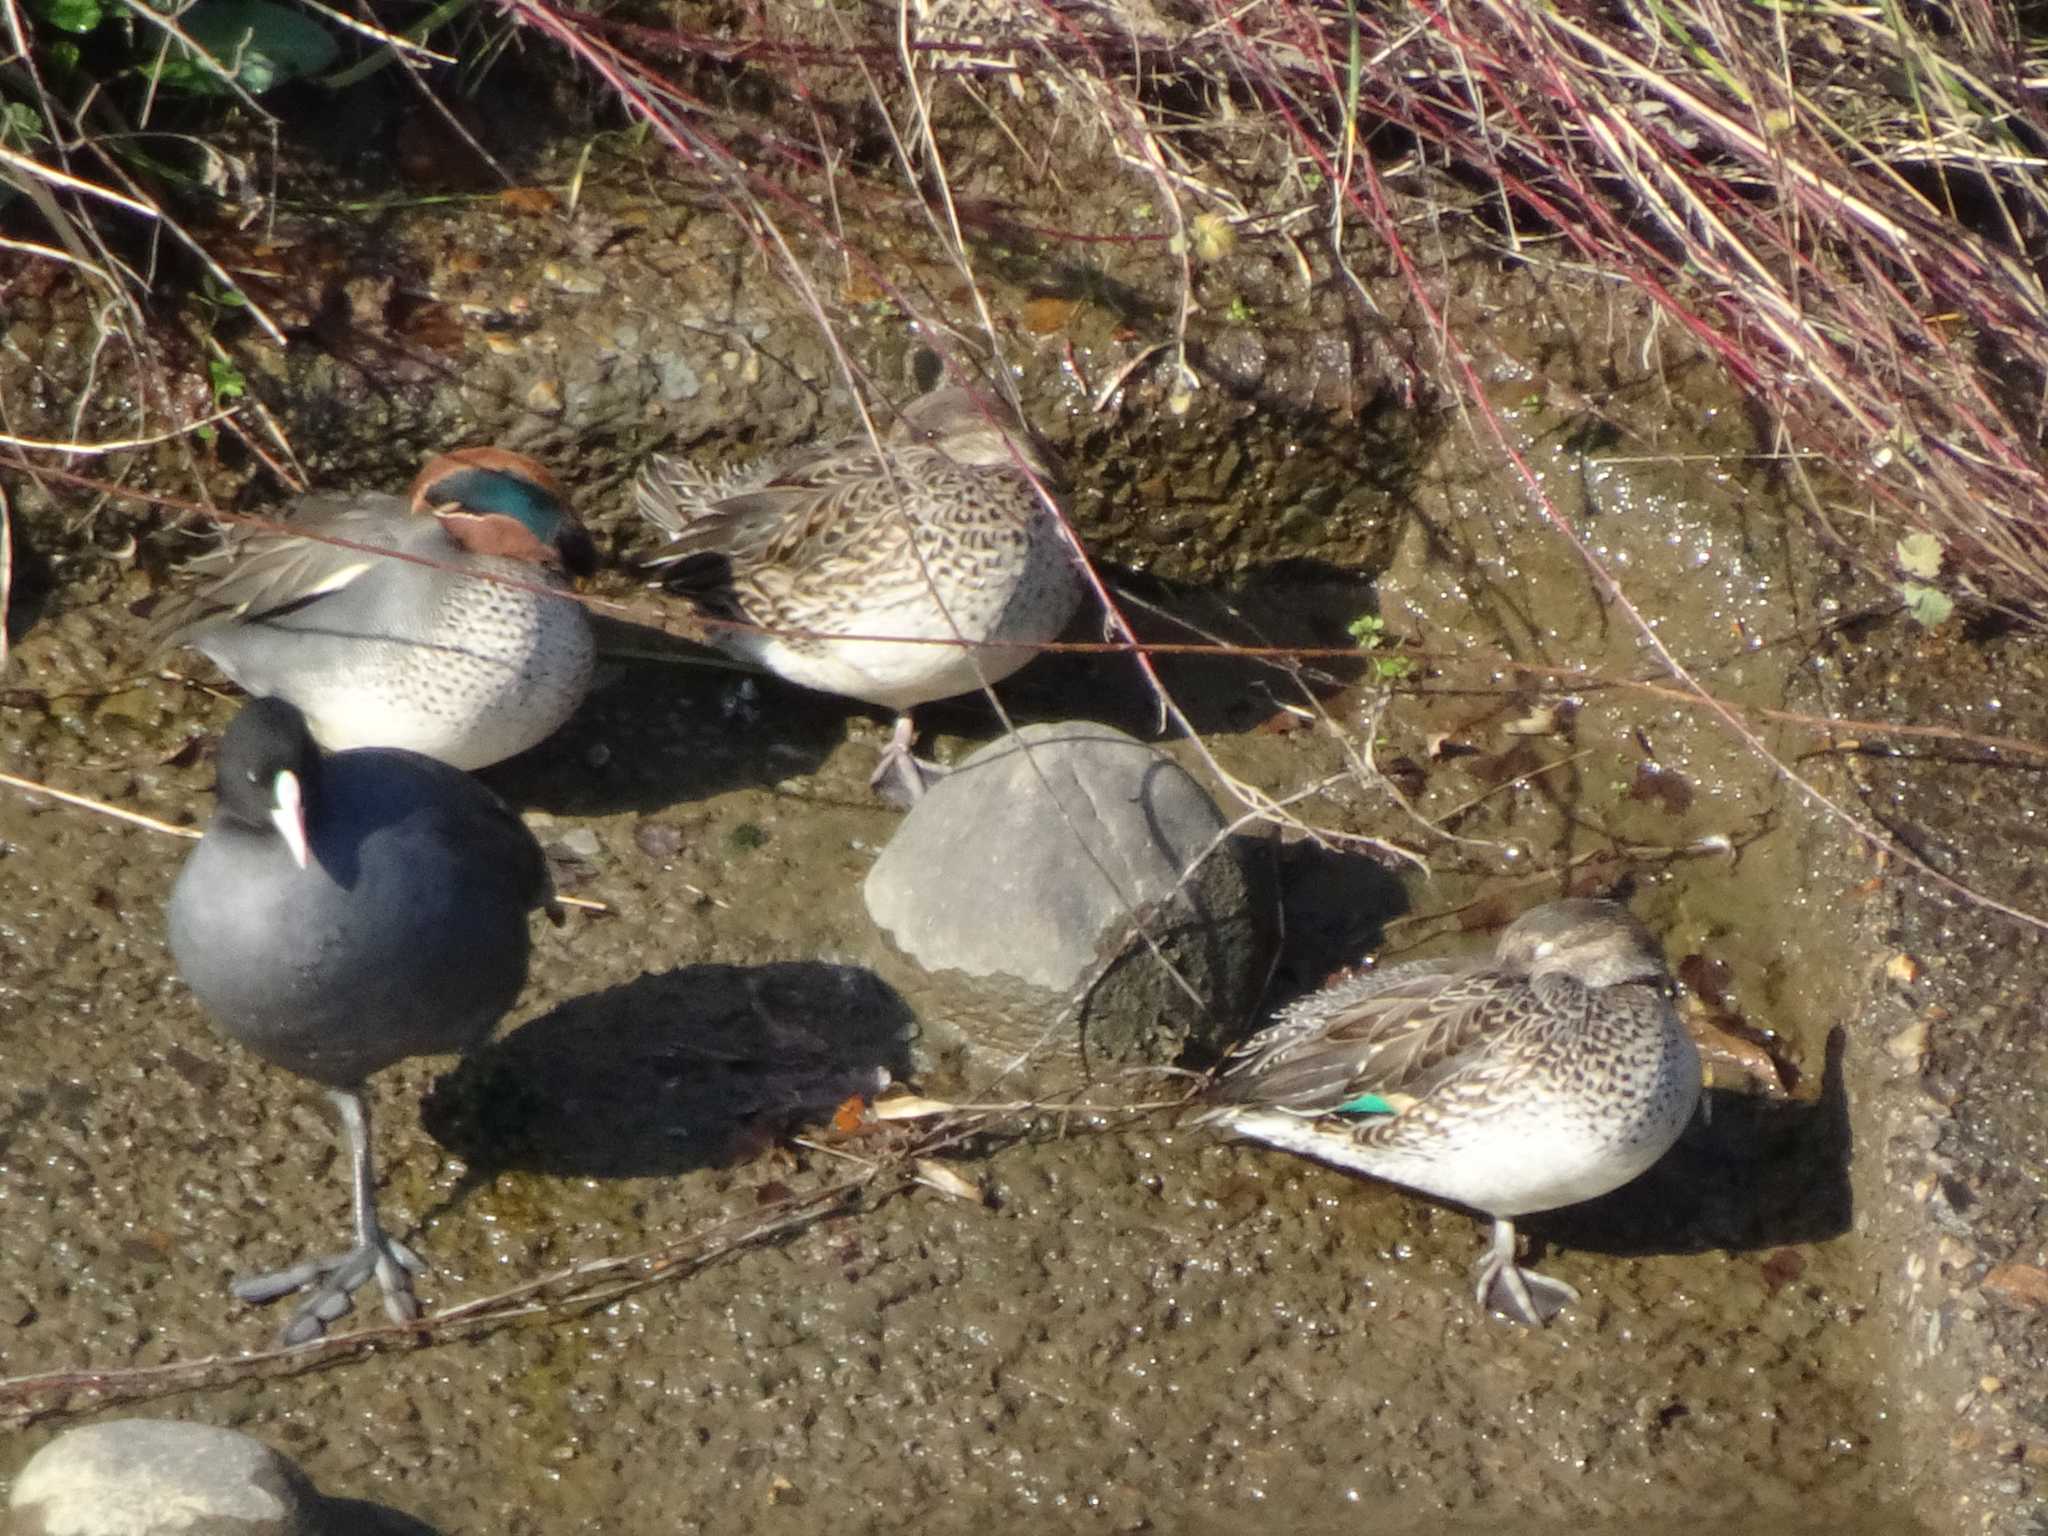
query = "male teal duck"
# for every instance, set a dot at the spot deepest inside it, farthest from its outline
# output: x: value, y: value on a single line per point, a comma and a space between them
x: 342, y: 913
x: 939, y: 546
x: 413, y: 653
x: 1552, y: 1072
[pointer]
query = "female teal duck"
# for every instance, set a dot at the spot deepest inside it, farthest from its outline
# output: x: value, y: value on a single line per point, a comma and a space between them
x: 411, y: 653
x: 1550, y: 1073
x: 938, y: 545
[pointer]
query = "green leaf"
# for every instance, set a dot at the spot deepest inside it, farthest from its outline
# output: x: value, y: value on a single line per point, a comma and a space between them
x: 1919, y: 554
x: 1391, y: 669
x: 69, y: 15
x: 20, y: 123
x: 262, y: 45
x: 1930, y: 609
x: 228, y: 383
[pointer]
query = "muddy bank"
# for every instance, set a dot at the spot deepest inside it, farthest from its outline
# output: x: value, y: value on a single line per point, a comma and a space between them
x: 1140, y: 1328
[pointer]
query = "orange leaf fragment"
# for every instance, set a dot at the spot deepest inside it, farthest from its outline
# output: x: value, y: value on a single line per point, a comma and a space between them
x: 532, y: 202
x: 1045, y: 316
x: 2024, y: 1285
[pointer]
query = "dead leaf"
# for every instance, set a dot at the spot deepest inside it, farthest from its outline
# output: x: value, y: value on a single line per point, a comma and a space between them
x: 1665, y: 786
x: 183, y: 755
x: 432, y: 325
x: 908, y: 1106
x: 1732, y: 1047
x: 530, y: 202
x: 1539, y: 721
x: 1283, y: 722
x: 1709, y: 980
x: 2024, y: 1285
x: 1405, y: 774
x: 1781, y: 1268
x: 847, y: 1118
x: 1047, y: 316
x: 1902, y: 968
x: 946, y: 1179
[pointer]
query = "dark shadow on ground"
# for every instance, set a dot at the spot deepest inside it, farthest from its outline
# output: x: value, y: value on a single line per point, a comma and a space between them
x: 360, y: 1517
x: 1336, y: 907
x: 669, y: 723
x: 1748, y: 1173
x: 672, y: 1072
x: 1300, y: 604
x: 666, y: 724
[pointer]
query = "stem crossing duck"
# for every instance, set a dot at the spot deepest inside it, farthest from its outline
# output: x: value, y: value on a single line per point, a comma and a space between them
x: 936, y: 544
x: 412, y: 653
x: 1551, y: 1072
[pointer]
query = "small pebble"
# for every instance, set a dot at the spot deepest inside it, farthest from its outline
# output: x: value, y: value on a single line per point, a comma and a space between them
x: 657, y: 839
x: 2024, y: 1285
x: 581, y: 843
x: 1909, y: 1044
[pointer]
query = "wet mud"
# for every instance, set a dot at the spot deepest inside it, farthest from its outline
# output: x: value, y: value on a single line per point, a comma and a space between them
x: 1138, y: 1327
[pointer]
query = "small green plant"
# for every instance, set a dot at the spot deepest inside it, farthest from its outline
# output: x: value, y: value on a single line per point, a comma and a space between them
x: 74, y: 16
x: 1370, y: 631
x: 19, y: 125
x: 259, y: 44
x: 226, y: 378
x: 253, y: 44
x: 1920, y: 556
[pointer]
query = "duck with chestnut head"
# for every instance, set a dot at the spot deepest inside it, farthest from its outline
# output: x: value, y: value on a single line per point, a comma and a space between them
x: 468, y: 647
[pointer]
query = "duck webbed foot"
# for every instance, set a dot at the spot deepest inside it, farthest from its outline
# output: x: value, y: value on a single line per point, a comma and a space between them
x: 901, y: 778
x: 1521, y: 1295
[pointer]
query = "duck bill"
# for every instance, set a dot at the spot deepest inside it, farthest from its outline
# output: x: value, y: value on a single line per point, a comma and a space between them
x: 288, y: 814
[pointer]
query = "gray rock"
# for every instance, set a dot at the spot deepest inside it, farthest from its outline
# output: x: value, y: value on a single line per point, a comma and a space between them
x: 156, y: 1477
x: 159, y: 1477
x: 1020, y: 894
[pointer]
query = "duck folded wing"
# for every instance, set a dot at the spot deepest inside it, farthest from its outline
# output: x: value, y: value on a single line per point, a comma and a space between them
x: 259, y: 573
x: 1398, y: 1034
x: 797, y: 516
